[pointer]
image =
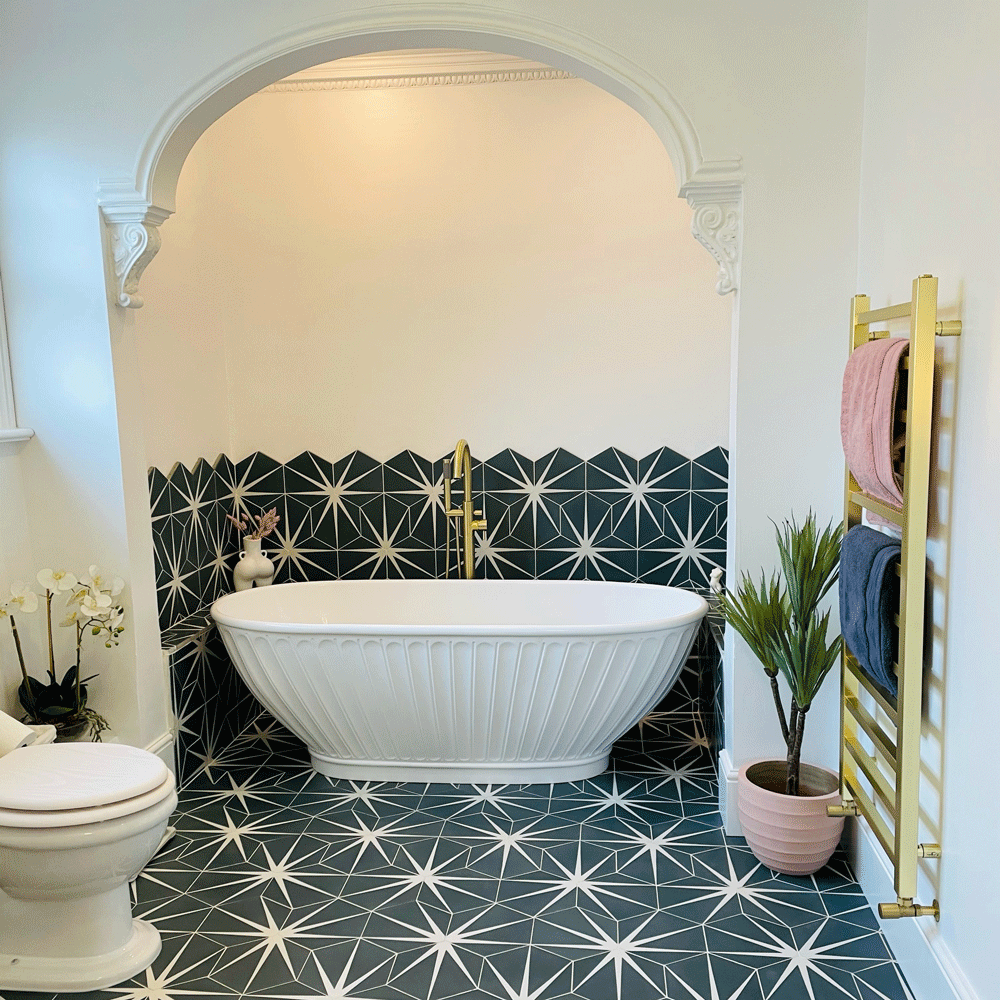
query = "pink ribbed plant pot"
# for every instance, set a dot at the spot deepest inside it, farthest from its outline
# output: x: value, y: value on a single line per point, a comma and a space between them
x: 791, y: 834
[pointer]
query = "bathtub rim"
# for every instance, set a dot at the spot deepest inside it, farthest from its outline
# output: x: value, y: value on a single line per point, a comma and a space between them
x: 443, y: 630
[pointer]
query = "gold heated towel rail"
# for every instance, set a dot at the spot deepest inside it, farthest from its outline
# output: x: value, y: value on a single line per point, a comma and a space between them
x: 882, y: 784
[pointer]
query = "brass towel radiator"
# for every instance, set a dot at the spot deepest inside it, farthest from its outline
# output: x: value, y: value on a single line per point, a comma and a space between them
x: 892, y: 772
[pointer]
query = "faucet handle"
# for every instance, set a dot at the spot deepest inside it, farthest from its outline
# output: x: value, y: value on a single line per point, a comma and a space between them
x: 478, y: 525
x: 446, y: 478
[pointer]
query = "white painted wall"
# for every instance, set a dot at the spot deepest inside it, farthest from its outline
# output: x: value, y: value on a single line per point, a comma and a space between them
x: 16, y: 564
x: 398, y: 268
x: 930, y: 204
x: 16, y: 561
x: 777, y: 82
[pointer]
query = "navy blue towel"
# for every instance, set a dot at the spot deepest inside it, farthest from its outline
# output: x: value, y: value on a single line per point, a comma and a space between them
x: 867, y: 560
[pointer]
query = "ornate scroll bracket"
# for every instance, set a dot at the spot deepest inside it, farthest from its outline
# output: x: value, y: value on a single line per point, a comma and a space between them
x: 133, y: 246
x: 133, y: 228
x: 717, y: 221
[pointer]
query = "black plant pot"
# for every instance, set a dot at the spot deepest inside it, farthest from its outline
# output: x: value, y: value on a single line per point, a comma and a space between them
x: 71, y: 729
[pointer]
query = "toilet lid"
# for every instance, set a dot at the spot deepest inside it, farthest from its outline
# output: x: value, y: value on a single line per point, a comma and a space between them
x: 59, y: 776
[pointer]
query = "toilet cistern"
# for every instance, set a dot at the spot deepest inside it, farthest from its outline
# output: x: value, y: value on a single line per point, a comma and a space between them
x: 460, y: 467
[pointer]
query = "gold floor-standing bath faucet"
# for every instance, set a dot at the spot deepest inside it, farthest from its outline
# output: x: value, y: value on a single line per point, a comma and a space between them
x: 460, y: 467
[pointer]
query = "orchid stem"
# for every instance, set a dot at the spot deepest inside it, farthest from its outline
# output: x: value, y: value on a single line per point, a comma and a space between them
x: 24, y: 669
x: 48, y: 618
x: 79, y: 643
x: 17, y: 646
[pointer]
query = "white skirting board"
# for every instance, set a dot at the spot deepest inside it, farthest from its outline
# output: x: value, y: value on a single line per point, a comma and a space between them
x: 926, y: 961
x: 728, y: 788
x: 163, y: 747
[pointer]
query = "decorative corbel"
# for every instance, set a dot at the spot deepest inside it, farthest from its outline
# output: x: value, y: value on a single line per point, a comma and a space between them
x: 133, y: 246
x: 717, y: 219
x: 716, y: 226
x: 133, y: 227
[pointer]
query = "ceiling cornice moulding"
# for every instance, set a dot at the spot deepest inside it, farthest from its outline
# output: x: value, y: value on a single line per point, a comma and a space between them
x: 416, y: 68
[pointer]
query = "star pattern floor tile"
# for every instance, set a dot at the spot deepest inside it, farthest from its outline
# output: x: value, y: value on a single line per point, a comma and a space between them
x: 285, y: 885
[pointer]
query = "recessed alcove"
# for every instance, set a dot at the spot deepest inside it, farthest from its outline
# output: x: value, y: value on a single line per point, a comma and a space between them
x: 384, y: 253
x: 391, y: 258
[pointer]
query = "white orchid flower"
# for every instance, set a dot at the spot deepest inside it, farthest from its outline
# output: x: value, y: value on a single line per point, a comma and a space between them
x: 71, y: 619
x: 56, y: 580
x: 23, y: 600
x: 96, y: 604
x: 95, y: 581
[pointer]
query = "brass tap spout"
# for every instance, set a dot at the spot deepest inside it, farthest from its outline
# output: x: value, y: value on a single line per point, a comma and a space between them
x: 461, y: 468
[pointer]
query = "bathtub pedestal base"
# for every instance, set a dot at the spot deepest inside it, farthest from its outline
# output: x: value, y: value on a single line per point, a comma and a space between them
x: 544, y: 772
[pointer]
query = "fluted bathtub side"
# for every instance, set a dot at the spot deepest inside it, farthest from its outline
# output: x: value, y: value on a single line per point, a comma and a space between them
x: 470, y: 707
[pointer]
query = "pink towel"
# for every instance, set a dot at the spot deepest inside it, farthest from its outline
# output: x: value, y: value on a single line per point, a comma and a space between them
x: 867, y: 416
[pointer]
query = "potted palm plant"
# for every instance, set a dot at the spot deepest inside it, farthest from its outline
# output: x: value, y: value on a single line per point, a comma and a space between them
x: 782, y: 803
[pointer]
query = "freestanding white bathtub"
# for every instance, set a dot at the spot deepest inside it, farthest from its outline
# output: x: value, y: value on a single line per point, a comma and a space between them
x: 459, y: 680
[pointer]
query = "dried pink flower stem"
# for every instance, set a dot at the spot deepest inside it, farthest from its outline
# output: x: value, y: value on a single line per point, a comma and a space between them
x: 241, y: 523
x: 265, y: 523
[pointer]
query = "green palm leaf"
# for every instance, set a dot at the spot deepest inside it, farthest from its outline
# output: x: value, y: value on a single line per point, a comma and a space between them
x: 757, y: 614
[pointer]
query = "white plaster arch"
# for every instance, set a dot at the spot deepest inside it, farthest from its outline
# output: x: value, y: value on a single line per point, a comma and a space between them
x: 134, y: 207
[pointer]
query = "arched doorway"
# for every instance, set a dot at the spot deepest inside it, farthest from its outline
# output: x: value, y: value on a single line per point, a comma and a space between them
x: 134, y: 212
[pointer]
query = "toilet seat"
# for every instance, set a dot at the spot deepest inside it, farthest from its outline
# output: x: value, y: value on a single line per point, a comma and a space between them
x: 70, y: 784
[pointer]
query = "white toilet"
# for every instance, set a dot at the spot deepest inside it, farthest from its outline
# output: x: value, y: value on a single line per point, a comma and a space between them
x: 78, y: 821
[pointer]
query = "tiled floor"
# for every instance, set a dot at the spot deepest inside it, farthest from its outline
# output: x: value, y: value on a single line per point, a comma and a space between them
x: 283, y: 884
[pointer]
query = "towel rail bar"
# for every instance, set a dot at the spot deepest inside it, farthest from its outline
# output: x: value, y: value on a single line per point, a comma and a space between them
x: 880, y: 699
x: 897, y: 517
x: 901, y: 311
x: 886, y: 752
x: 885, y: 746
x: 867, y: 809
x: 869, y: 768
x: 901, y: 798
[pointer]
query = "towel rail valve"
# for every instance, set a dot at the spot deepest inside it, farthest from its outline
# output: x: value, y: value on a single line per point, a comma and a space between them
x: 907, y: 908
x: 844, y: 809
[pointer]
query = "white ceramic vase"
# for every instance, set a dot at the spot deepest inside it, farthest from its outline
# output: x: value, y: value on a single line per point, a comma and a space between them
x: 254, y: 567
